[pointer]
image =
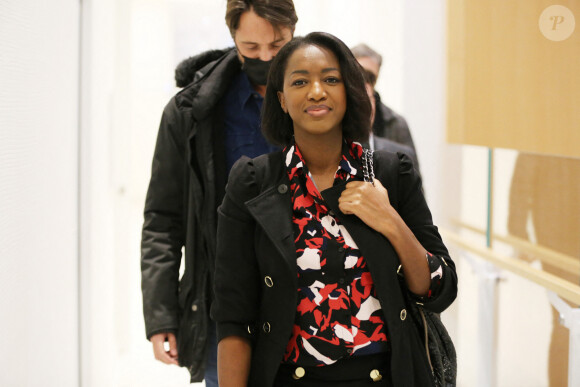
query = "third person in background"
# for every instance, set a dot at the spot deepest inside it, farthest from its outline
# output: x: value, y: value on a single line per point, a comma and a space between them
x: 387, y: 123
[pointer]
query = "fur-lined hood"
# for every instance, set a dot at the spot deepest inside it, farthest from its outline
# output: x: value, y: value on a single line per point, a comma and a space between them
x: 185, y: 71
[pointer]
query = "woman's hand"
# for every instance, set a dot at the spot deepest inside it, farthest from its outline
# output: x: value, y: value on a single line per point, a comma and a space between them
x: 370, y: 203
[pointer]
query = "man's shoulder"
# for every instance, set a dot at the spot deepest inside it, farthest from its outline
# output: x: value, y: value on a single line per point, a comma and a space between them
x: 210, y: 80
x: 186, y: 70
x: 389, y: 124
x: 388, y: 114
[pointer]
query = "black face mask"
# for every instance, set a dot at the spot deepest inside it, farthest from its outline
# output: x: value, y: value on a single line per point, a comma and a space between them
x: 257, y: 70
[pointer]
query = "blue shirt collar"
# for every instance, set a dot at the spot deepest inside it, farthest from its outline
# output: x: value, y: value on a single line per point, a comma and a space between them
x: 244, y: 89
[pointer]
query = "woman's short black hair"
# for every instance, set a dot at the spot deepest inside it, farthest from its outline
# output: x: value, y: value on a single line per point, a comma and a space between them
x: 277, y: 125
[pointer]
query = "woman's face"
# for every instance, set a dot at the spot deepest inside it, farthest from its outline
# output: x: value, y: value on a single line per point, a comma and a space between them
x: 313, y: 92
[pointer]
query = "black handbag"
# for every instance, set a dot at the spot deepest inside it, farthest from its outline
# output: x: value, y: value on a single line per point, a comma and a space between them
x: 438, y: 344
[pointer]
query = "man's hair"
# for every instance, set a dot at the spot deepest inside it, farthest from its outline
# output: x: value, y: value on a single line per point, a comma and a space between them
x: 277, y: 126
x: 280, y: 13
x: 363, y: 51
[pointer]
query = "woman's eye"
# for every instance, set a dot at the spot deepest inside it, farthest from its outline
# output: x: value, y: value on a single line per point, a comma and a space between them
x: 332, y: 80
x: 299, y: 82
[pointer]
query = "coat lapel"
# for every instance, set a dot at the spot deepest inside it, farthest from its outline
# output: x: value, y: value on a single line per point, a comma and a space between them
x: 272, y: 210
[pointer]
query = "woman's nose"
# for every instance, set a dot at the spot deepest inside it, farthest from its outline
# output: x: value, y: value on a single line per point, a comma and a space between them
x: 316, y: 91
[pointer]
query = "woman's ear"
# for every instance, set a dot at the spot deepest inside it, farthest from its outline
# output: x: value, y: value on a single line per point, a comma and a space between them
x: 282, y: 101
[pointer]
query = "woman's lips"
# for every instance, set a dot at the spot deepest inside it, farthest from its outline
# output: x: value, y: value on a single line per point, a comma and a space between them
x: 317, y: 110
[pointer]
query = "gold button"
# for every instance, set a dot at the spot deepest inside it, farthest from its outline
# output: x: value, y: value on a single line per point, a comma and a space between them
x: 376, y: 375
x: 268, y: 281
x: 403, y: 314
x: 298, y: 373
x: 194, y: 308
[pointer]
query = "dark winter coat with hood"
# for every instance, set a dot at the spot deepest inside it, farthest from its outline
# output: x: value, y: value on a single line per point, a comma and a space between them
x: 187, y: 184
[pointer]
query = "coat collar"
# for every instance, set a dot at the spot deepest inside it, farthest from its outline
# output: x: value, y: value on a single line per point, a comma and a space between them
x: 187, y: 69
x: 201, y: 95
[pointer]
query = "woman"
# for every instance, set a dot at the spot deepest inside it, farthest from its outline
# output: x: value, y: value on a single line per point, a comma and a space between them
x: 315, y: 267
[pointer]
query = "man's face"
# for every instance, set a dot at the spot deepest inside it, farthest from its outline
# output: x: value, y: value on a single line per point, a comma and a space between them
x: 256, y: 38
x: 369, y: 64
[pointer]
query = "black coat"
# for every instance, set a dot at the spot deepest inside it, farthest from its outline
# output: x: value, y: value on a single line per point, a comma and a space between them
x: 391, y: 125
x: 187, y: 184
x: 255, y: 241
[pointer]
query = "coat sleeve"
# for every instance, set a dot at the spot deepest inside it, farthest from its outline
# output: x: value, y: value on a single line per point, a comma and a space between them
x: 413, y: 208
x: 236, y: 281
x: 402, y: 131
x: 163, y: 234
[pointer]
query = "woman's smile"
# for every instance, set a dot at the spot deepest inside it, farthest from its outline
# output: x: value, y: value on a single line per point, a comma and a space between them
x: 318, y: 110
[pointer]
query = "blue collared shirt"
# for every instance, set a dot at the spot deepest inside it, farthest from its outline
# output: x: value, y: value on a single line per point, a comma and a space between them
x: 242, y: 130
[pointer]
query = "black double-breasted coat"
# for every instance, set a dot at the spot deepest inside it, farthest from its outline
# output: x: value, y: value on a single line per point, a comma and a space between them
x: 256, y: 272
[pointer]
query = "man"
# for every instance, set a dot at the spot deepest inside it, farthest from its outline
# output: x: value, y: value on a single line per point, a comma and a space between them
x: 380, y: 143
x: 387, y: 124
x: 204, y: 129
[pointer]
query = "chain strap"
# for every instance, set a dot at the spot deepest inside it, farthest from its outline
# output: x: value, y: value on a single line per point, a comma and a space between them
x: 367, y: 165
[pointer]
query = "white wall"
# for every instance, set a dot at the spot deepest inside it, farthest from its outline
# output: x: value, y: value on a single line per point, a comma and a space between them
x: 39, y: 72
x: 424, y: 93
